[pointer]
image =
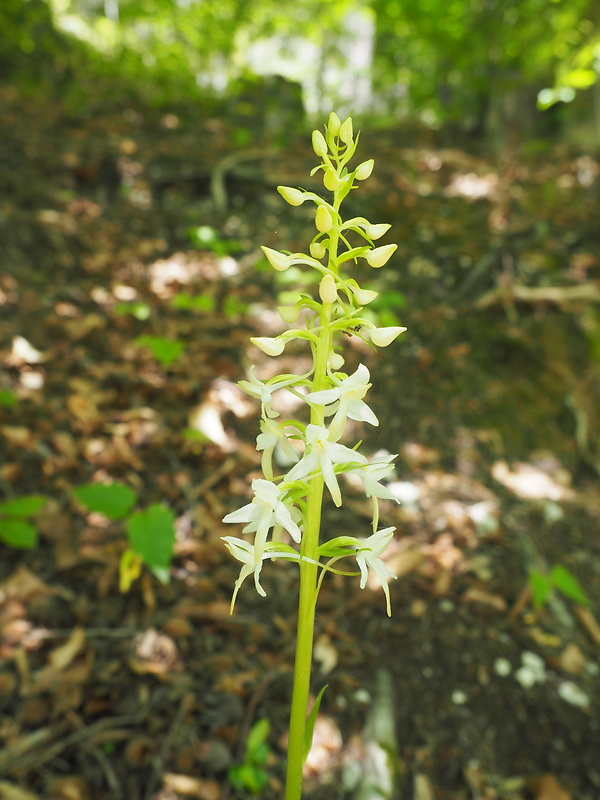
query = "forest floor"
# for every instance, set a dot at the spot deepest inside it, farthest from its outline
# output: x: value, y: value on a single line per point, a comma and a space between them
x: 129, y: 222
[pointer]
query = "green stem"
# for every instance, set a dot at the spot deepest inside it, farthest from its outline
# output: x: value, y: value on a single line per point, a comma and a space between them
x: 308, y: 587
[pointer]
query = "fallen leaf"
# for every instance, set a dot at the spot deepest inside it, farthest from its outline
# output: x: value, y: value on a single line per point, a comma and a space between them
x: 62, y: 656
x: 325, y: 653
x: 475, y: 595
x: 548, y: 788
x: 192, y: 787
x: 572, y: 659
x: 589, y: 622
x: 9, y: 791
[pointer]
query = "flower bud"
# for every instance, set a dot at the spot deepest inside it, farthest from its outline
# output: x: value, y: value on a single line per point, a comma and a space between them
x: 364, y: 170
x: 318, y: 249
x: 327, y: 290
x: 346, y: 131
x: 384, y: 336
x: 363, y: 296
x: 330, y: 179
x: 380, y: 255
x: 277, y: 260
x: 323, y: 219
x: 295, y: 197
x: 333, y: 124
x: 336, y: 361
x: 289, y: 314
x: 272, y: 347
x: 319, y: 144
x: 377, y: 231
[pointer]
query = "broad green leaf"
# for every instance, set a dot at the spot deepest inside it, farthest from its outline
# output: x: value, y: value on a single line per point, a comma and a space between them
x: 25, y: 506
x: 7, y: 399
x: 568, y: 584
x: 17, y: 533
x: 165, y: 351
x: 257, y: 737
x: 152, y: 535
x: 247, y: 776
x: 310, y: 722
x: 541, y: 586
x: 200, y: 302
x: 114, y: 500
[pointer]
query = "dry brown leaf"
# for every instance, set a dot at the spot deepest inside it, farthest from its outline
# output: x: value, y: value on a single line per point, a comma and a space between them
x: 10, y: 791
x: 62, y: 656
x: 589, y: 622
x: 405, y: 561
x: 192, y: 787
x: 572, y: 659
x: 18, y: 435
x: 475, y: 595
x: 325, y: 653
x: 548, y: 788
x: 24, y: 585
x: 71, y: 787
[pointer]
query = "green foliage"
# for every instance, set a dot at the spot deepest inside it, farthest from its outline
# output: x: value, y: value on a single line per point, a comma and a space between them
x: 113, y: 500
x: 251, y: 775
x: 206, y: 238
x: 151, y: 533
x: 310, y: 722
x: 138, y: 310
x: 165, y: 351
x: 198, y: 302
x: 7, y: 399
x: 14, y: 528
x: 559, y: 578
x: 152, y: 536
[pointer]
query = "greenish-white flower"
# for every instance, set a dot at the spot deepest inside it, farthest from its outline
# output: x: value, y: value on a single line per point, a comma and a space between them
x: 265, y: 510
x: 371, y: 475
x: 295, y: 197
x: 346, y: 400
x: 319, y: 144
x: 323, y: 219
x: 327, y: 289
x: 364, y: 170
x: 322, y: 454
x: 273, y: 436
x: 368, y: 557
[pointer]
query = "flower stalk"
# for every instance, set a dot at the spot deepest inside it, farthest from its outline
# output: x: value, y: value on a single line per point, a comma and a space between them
x: 292, y: 502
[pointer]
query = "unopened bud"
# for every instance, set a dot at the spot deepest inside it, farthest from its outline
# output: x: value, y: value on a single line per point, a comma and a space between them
x: 380, y: 255
x: 323, y: 219
x: 384, y: 336
x: 363, y: 296
x: 277, y: 260
x: 377, y: 231
x: 289, y: 314
x: 336, y: 361
x: 294, y: 197
x: 333, y: 124
x: 272, y: 347
x: 331, y: 180
x: 346, y: 131
x: 319, y: 144
x: 318, y: 249
x: 363, y: 171
x: 327, y: 290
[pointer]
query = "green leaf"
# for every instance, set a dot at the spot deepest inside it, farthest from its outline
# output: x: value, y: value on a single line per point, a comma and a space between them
x: 165, y: 351
x: 114, y: 500
x: 541, y: 586
x: 17, y: 533
x: 568, y: 584
x: 138, y: 310
x: 257, y: 737
x: 152, y: 535
x: 199, y: 302
x: 310, y: 722
x: 246, y: 776
x: 7, y: 399
x: 25, y: 506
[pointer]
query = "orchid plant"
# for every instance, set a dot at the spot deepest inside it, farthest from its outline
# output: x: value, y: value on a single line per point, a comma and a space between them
x: 292, y: 502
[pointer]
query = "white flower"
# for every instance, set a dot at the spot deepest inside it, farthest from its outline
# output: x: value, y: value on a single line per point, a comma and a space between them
x: 384, y: 336
x: 370, y: 475
x: 319, y: 144
x: 267, y: 441
x: 321, y: 455
x: 367, y: 558
x: 364, y: 170
x: 348, y: 397
x: 277, y: 260
x: 265, y: 510
x: 345, y: 133
x: 295, y: 197
x: 363, y: 296
x: 323, y: 219
x: 256, y: 388
x: 327, y: 289
x: 252, y: 560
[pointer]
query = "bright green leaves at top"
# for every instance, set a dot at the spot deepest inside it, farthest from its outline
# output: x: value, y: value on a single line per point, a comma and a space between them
x: 165, y: 351
x: 15, y: 530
